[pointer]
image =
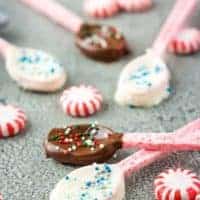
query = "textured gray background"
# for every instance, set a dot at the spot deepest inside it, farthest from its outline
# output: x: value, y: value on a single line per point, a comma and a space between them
x: 25, y: 173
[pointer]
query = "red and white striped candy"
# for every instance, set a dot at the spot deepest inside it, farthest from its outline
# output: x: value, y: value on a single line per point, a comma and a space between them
x: 198, y: 197
x: 12, y: 120
x: 178, y: 184
x: 135, y: 5
x: 186, y: 42
x: 81, y: 101
x: 101, y: 8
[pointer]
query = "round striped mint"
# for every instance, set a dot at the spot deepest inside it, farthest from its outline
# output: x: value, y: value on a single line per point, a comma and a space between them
x: 135, y: 5
x: 101, y: 8
x: 12, y: 120
x: 81, y: 101
x: 198, y: 197
x: 186, y: 42
x: 178, y: 184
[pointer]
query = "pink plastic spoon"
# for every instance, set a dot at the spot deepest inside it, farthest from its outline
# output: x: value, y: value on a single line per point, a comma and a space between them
x: 106, y: 182
x: 89, y: 143
x: 99, y: 42
x: 145, y: 81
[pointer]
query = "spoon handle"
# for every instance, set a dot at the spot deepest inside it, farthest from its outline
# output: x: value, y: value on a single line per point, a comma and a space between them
x: 143, y: 157
x: 57, y: 13
x: 179, y: 16
x: 4, y: 45
x: 163, y: 142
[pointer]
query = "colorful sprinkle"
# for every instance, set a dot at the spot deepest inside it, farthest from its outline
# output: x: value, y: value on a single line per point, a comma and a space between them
x: 38, y: 64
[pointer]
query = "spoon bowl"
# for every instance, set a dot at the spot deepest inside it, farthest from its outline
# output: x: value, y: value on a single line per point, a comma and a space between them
x: 102, y: 182
x: 82, y: 144
x: 101, y: 42
x: 33, y: 69
x: 145, y: 81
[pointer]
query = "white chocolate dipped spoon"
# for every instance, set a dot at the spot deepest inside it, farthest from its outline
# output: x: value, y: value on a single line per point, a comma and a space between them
x: 145, y: 81
x: 32, y: 69
x: 100, y: 42
x: 106, y: 182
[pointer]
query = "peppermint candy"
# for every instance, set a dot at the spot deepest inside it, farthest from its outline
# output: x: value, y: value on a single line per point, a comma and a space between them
x: 81, y: 101
x: 135, y: 5
x: 198, y: 197
x: 12, y: 120
x: 101, y: 8
x: 178, y: 184
x: 186, y: 42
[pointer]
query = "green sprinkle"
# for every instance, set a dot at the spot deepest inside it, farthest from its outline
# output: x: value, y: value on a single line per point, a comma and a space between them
x: 88, y: 143
x: 55, y: 138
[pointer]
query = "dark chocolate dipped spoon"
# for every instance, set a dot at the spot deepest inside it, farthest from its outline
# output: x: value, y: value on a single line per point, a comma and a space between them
x: 100, y: 42
x: 88, y: 143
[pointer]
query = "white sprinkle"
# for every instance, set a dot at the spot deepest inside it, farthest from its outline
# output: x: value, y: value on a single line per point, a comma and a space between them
x: 69, y: 149
x: 73, y: 147
x: 101, y: 146
x: 82, y: 138
x: 115, y: 155
x: 94, y: 124
x: 67, y: 131
x: 66, y: 140
x: 92, y: 148
x: 93, y: 131
x: 57, y: 148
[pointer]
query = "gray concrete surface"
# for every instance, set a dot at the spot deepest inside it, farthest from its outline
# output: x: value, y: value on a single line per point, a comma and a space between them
x: 25, y: 173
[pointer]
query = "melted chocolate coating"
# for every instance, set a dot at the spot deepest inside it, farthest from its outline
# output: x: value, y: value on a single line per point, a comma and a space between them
x: 82, y: 144
x: 101, y: 42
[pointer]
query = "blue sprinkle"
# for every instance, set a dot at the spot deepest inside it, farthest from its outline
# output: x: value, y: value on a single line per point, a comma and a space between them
x: 88, y: 184
x: 23, y: 59
x: 52, y: 70
x: 169, y: 89
x: 157, y: 69
x: 96, y: 168
x: 145, y: 73
x: 107, y: 168
x: 67, y: 177
x: 149, y: 84
x: 98, y: 180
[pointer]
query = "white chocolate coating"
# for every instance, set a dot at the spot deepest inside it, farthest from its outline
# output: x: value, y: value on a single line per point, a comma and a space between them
x: 143, y: 82
x: 34, y: 69
x: 99, y: 182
